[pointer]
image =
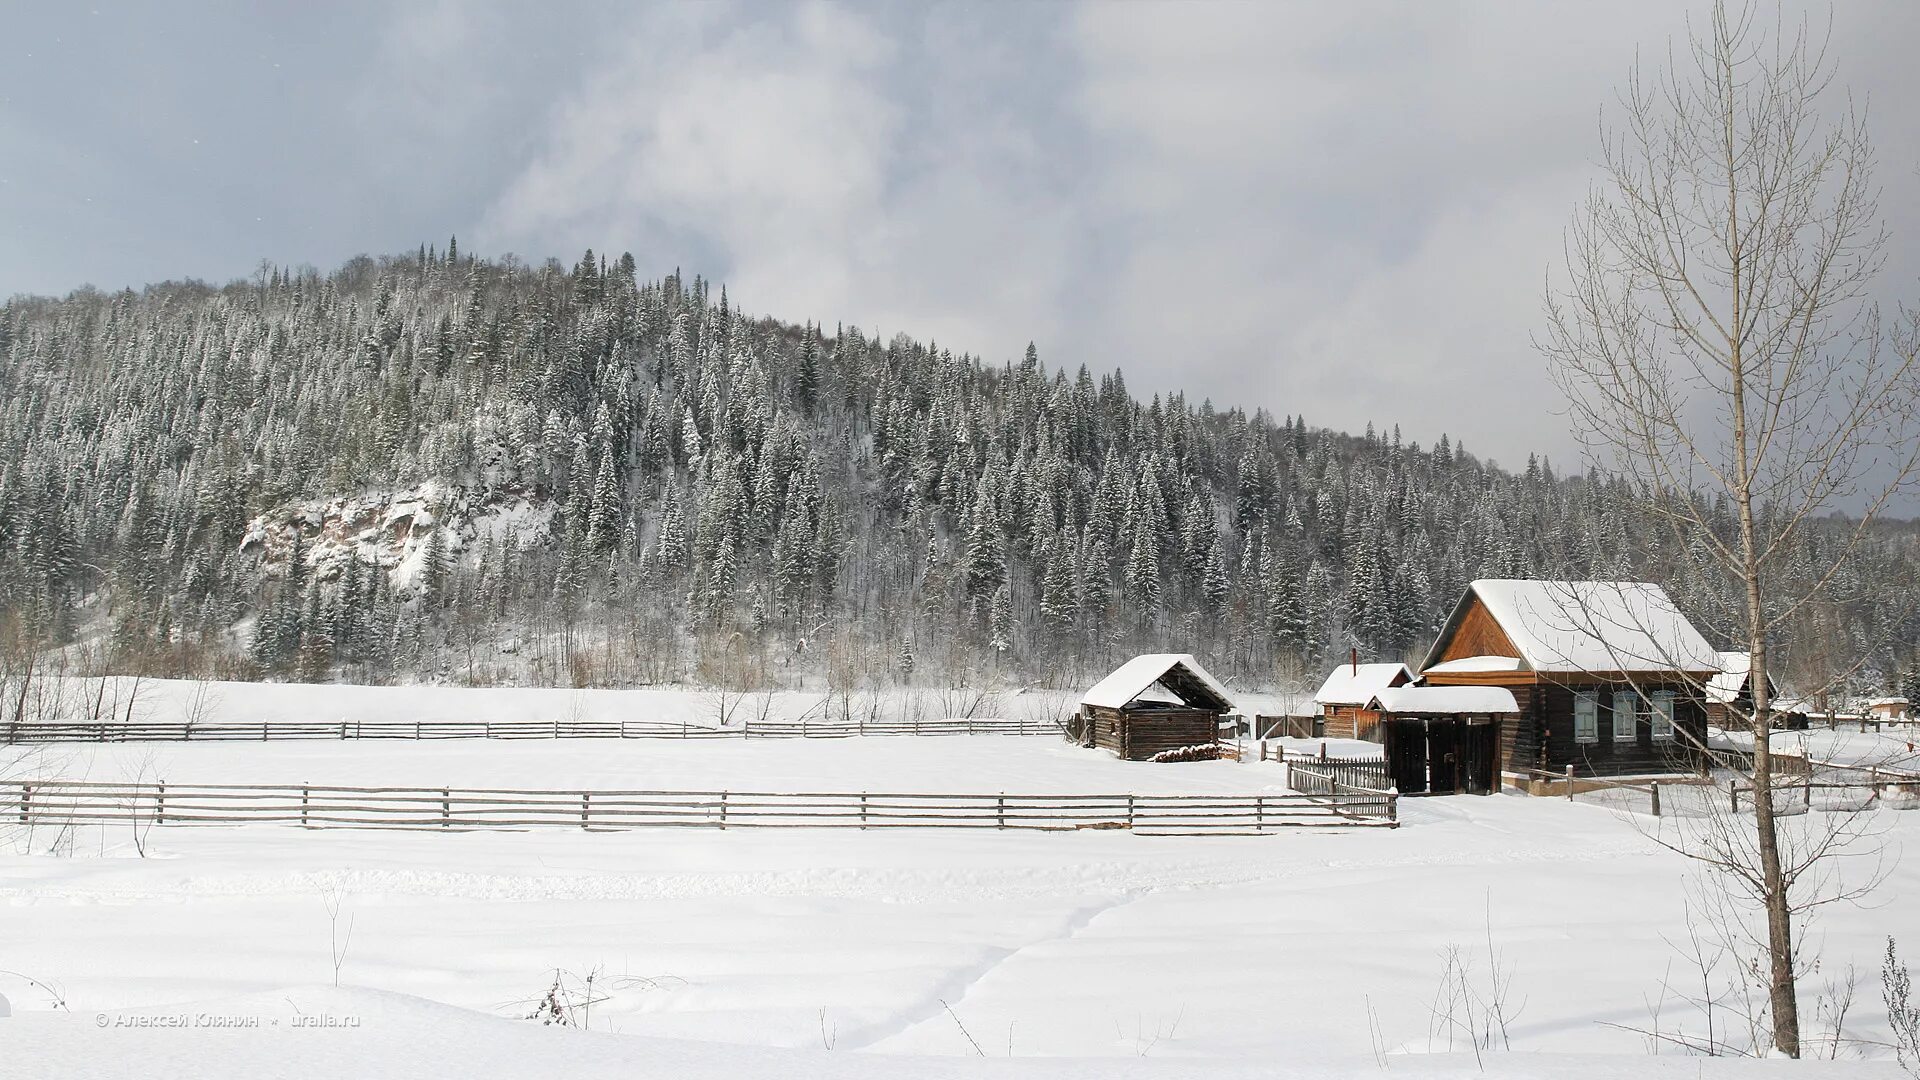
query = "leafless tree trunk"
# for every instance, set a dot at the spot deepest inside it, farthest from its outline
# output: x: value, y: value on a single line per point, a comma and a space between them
x: 1716, y: 340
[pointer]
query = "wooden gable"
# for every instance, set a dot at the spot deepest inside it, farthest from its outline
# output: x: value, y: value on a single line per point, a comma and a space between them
x: 1477, y: 633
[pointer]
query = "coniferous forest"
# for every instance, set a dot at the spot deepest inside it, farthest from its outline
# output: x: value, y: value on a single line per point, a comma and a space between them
x: 438, y: 466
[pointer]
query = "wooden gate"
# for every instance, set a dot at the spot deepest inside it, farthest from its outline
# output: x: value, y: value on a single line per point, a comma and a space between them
x: 1482, y: 758
x: 1406, y: 747
x: 1443, y: 756
x: 1440, y: 755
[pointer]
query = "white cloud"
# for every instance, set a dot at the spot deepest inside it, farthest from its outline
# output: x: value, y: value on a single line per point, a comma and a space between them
x: 1343, y: 211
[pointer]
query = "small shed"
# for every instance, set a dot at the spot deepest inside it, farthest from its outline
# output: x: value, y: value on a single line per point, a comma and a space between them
x: 1343, y: 697
x: 1439, y: 740
x: 1888, y: 708
x: 1152, y: 704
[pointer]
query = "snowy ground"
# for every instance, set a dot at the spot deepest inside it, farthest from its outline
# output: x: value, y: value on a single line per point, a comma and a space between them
x: 1028, y: 764
x: 825, y: 953
x: 177, y: 701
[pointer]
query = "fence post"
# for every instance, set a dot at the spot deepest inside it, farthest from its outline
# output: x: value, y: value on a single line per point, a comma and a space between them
x: 1569, y: 782
x: 1733, y: 794
x: 1001, y: 810
x: 446, y: 808
x: 586, y: 798
x: 26, y: 803
x: 160, y: 804
x: 304, y: 791
x: 863, y: 810
x: 1260, y: 806
x: 723, y: 809
x: 263, y: 731
x: 1129, y: 811
x: 1656, y: 798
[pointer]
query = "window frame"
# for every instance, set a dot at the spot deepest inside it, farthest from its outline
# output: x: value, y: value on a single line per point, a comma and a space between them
x: 1591, y: 700
x: 1631, y: 734
x: 1660, y: 718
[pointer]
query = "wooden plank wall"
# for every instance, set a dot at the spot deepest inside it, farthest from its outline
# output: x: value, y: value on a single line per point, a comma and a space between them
x: 1137, y: 736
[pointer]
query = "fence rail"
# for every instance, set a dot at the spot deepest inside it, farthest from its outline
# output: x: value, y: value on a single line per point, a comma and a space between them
x: 267, y: 730
x: 59, y: 803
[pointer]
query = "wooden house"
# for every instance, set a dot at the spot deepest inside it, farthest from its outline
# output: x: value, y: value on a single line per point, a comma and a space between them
x: 1343, y: 697
x: 1152, y: 704
x: 1888, y: 708
x: 1606, y: 676
x: 1729, y: 697
x: 1439, y: 740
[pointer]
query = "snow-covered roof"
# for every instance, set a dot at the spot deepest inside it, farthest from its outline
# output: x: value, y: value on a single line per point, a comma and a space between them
x: 1353, y: 685
x: 1887, y: 701
x: 1590, y: 626
x: 1435, y: 700
x: 1481, y: 663
x: 1727, y: 685
x: 1140, y: 674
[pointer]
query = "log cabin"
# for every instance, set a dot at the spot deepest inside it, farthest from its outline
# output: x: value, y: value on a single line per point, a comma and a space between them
x: 1606, y: 676
x: 1152, y: 704
x: 1729, y: 697
x: 1343, y: 697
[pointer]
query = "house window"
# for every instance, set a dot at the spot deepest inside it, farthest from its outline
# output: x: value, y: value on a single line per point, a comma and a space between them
x: 1663, y: 714
x: 1586, y: 716
x: 1626, y: 716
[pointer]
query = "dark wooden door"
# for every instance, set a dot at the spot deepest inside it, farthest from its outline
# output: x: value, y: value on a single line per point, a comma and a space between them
x: 1483, y: 746
x: 1443, y: 756
x: 1406, y: 745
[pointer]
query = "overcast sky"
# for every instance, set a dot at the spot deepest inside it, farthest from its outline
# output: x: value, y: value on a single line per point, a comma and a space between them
x: 1342, y: 210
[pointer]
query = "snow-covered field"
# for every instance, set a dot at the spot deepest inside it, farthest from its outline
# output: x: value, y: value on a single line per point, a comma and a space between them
x: 840, y: 953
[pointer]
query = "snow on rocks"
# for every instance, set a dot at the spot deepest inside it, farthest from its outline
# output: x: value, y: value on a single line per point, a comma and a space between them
x: 392, y: 529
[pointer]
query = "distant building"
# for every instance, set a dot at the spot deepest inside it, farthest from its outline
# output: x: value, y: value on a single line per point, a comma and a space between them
x: 1344, y: 695
x: 1889, y: 708
x: 1152, y: 704
x: 1729, y: 697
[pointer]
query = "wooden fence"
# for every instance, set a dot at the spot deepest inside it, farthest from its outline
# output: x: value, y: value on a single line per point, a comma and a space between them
x: 60, y: 803
x: 267, y: 730
x: 1360, y: 782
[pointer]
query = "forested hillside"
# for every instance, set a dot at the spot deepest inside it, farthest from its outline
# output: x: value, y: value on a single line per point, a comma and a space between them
x: 437, y: 466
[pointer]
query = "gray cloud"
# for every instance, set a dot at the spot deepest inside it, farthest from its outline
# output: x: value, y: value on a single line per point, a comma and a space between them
x: 1341, y: 210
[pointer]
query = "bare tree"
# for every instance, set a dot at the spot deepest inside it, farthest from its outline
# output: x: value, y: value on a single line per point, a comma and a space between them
x: 1718, y: 343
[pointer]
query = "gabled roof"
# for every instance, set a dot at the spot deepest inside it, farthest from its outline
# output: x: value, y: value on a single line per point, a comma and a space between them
x: 1587, y: 626
x: 1351, y: 685
x: 1444, y: 700
x: 1178, y: 673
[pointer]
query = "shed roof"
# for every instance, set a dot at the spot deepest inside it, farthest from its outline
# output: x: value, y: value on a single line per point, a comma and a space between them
x: 1179, y: 673
x: 1588, y: 626
x: 1444, y: 700
x: 1734, y: 669
x: 1351, y: 684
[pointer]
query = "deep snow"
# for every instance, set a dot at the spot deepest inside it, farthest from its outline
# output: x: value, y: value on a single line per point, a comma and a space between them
x: 1294, y: 954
